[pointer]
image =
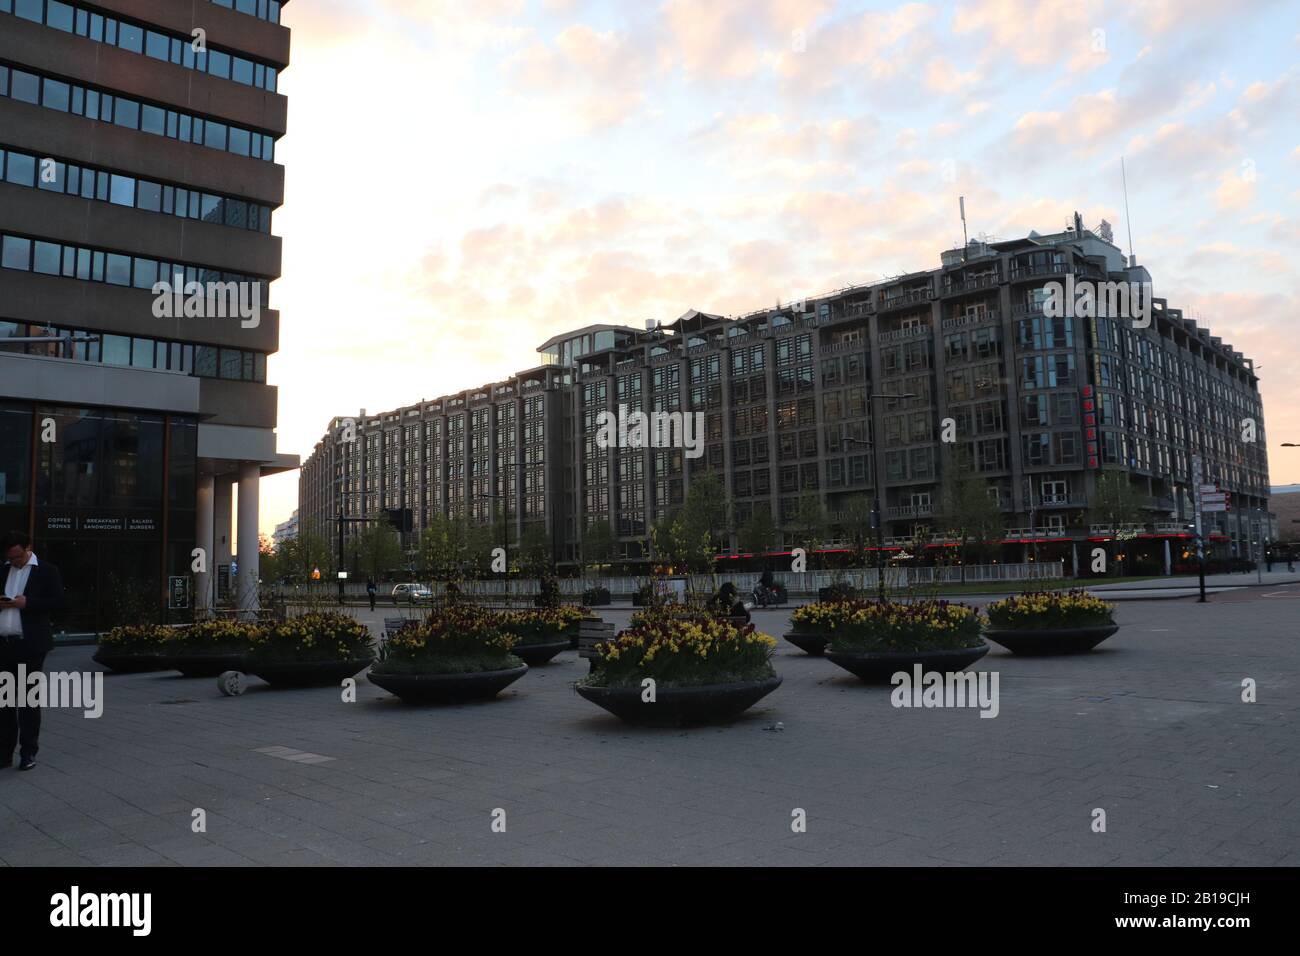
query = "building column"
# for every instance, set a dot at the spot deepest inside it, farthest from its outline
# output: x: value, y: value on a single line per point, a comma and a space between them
x: 221, y: 506
x: 246, y: 588
x: 203, y: 524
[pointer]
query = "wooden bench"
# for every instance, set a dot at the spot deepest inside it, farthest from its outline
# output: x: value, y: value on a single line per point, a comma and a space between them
x: 591, y: 631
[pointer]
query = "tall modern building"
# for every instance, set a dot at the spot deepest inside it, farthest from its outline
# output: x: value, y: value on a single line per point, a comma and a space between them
x: 868, y: 389
x: 137, y: 147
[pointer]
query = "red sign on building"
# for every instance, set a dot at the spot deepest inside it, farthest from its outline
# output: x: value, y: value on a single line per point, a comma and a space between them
x: 1090, y: 441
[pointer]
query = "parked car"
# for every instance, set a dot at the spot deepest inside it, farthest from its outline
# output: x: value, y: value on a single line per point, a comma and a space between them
x: 411, y: 594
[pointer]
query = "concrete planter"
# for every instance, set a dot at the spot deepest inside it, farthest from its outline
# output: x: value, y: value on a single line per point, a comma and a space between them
x: 448, y: 688
x: 306, y: 673
x: 880, y: 666
x: 534, y: 655
x: 680, y: 706
x: 1048, y: 641
x: 812, y: 644
x: 122, y: 661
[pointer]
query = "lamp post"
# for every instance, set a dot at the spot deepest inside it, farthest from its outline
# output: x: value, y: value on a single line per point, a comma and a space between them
x: 877, y: 514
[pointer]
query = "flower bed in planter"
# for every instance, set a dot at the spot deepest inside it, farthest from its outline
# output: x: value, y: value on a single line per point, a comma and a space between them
x: 597, y: 596
x: 873, y: 639
x: 459, y: 653
x: 209, y: 648
x: 133, y: 648
x: 313, y: 650
x: 1050, y: 622
x: 704, y: 670
x: 541, y: 634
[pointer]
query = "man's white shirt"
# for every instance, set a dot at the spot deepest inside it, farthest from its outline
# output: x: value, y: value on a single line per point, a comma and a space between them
x: 11, y: 621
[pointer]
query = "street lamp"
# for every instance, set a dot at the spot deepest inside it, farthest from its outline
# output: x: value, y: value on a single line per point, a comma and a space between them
x: 877, y: 515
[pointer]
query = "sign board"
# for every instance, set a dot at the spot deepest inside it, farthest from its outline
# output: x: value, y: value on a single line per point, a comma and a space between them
x: 223, y: 581
x: 178, y: 592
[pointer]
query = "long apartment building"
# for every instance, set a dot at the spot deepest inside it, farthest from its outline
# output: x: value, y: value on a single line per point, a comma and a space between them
x: 137, y: 146
x: 843, y: 395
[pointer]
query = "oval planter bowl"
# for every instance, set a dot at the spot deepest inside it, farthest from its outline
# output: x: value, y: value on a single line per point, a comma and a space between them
x: 535, y: 655
x: 129, y: 662
x: 680, y: 706
x: 812, y: 644
x: 448, y: 688
x: 306, y: 673
x: 1059, y: 640
x: 204, y: 665
x: 880, y: 666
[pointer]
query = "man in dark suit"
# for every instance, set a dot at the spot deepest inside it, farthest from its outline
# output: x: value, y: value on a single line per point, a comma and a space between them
x: 32, y: 589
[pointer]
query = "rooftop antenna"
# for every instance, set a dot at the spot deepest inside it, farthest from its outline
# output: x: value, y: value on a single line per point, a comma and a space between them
x: 961, y: 203
x: 1128, y: 220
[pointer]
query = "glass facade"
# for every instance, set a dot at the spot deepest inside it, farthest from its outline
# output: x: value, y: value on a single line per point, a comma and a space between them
x: 111, y: 501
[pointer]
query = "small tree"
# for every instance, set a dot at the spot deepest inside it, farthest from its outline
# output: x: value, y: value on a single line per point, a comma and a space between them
x: 967, y: 512
x: 810, y: 523
x: 536, y: 558
x: 858, y: 528
x: 1116, y: 502
x: 598, y: 543
x: 375, y: 549
x: 759, y: 532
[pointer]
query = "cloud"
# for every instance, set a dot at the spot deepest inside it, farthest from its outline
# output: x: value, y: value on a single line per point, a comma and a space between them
x: 601, y: 74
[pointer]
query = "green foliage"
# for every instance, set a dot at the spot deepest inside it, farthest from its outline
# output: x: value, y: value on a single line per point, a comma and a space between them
x: 810, y: 524
x: 1116, y: 501
x: 967, y: 512
x: 598, y: 544
x: 1050, y: 609
x: 295, y: 559
x: 676, y: 650
x: 759, y: 533
x: 891, y: 625
x: 536, y: 556
x: 458, y: 639
x: 375, y: 550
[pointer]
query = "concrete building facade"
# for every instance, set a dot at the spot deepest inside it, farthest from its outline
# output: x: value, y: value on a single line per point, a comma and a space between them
x: 868, y: 389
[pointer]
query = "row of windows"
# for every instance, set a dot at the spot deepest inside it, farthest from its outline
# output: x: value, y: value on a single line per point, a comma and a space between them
x: 23, y: 169
x: 114, y: 268
x: 205, y: 361
x: 133, y: 114
x: 138, y: 39
x: 262, y: 9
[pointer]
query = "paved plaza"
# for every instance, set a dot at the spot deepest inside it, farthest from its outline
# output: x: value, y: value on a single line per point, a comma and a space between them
x: 1150, y: 728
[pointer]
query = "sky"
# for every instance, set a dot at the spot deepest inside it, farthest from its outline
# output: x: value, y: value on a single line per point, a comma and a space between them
x: 466, y: 179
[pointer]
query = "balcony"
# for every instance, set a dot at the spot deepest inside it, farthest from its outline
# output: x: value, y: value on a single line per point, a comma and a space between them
x: 854, y: 345
x: 990, y: 317
x: 858, y: 310
x: 1062, y: 501
x: 903, y: 335
x: 1041, y: 534
x: 905, y: 298
x: 1021, y: 308
x: 898, y: 512
x: 971, y: 284
x: 1021, y: 271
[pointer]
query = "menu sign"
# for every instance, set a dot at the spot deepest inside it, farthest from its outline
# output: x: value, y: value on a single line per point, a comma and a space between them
x: 63, y: 524
x: 178, y: 592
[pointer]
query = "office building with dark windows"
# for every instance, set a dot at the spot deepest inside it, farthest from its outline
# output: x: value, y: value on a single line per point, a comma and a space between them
x: 137, y: 147
x: 876, y: 389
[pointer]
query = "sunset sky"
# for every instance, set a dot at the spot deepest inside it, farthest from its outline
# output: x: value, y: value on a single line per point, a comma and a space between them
x: 466, y: 179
